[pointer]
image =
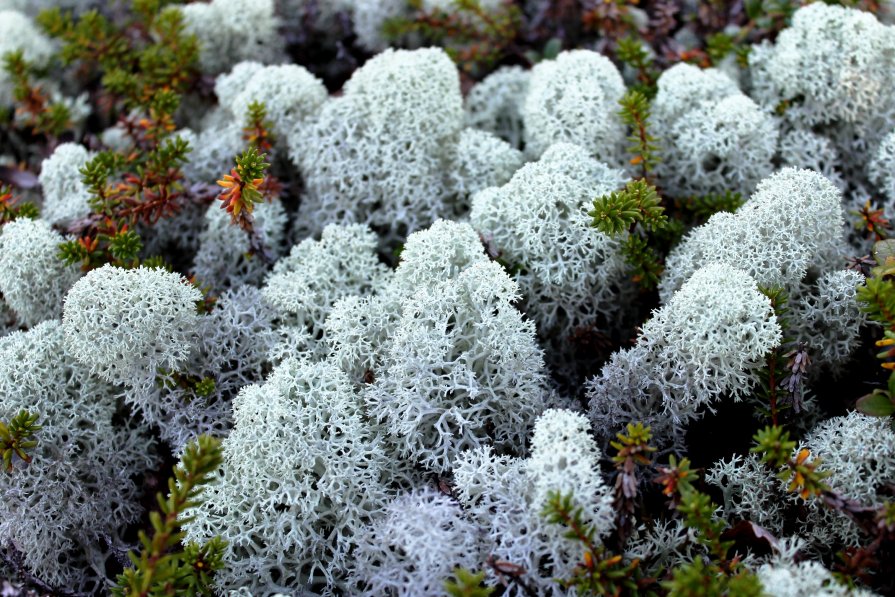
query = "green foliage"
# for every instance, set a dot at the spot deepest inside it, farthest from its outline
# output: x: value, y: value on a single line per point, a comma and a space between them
x: 877, y: 300
x: 599, y: 572
x: 631, y: 51
x: 17, y: 437
x: 146, y: 54
x: 124, y: 191
x: 638, y: 210
x: 644, y: 262
x: 703, y: 207
x: 242, y: 187
x: 773, y: 396
x: 259, y: 132
x: 199, y: 387
x: 11, y: 208
x: 638, y: 203
x: 718, y: 46
x: 633, y: 450
x: 160, y: 569
x: 34, y: 107
x: 467, y: 584
x: 635, y: 113
x: 775, y: 449
x: 125, y: 247
x: 700, y: 579
x: 720, y: 573
x: 251, y: 165
x: 476, y: 39
x: 92, y: 37
x: 633, y: 445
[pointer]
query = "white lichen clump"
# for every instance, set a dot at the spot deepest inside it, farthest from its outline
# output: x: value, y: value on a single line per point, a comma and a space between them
x: 19, y: 32
x: 708, y: 342
x: 231, y: 31
x: 379, y: 154
x: 146, y: 321
x: 302, y: 470
x: 477, y: 379
x: 792, y: 222
x: 415, y: 546
x: 79, y: 488
x: 290, y: 95
x: 712, y: 138
x: 570, y: 274
x: 33, y: 279
x: 574, y: 99
x: 304, y: 285
x: 505, y: 497
x: 65, y: 196
x: 495, y: 104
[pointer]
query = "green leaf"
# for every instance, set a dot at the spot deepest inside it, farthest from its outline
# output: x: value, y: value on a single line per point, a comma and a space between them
x: 883, y: 250
x: 877, y: 404
x: 552, y: 49
x: 753, y: 9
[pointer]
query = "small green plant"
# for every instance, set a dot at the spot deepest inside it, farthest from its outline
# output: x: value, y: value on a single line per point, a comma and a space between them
x: 782, y: 378
x: 621, y: 211
x: 147, y: 53
x: 635, y: 113
x: 877, y: 299
x: 11, y: 208
x: 872, y: 222
x: 125, y: 191
x: 467, y: 584
x: 720, y: 573
x: 259, y: 130
x: 638, y: 211
x: 776, y: 450
x: 475, y: 38
x: 630, y: 50
x: 633, y: 450
x: 159, y: 568
x: 242, y: 187
x: 17, y: 437
x: 35, y: 109
x: 599, y: 572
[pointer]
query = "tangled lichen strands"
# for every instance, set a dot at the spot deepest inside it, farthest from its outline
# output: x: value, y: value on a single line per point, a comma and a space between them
x: 65, y: 196
x: 79, y: 488
x: 574, y: 99
x: 303, y: 469
x: 379, y: 153
x: 148, y: 321
x: 708, y: 342
x: 479, y: 381
x: 420, y: 539
x: 33, y: 279
x: 495, y: 104
x: 791, y: 222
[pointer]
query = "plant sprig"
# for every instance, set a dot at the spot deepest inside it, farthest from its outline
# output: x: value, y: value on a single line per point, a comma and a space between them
x: 17, y: 437
x: 599, y: 572
x: 159, y: 568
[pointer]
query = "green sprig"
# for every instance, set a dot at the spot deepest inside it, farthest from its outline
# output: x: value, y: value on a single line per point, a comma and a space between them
x: 160, y: 568
x: 17, y: 437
